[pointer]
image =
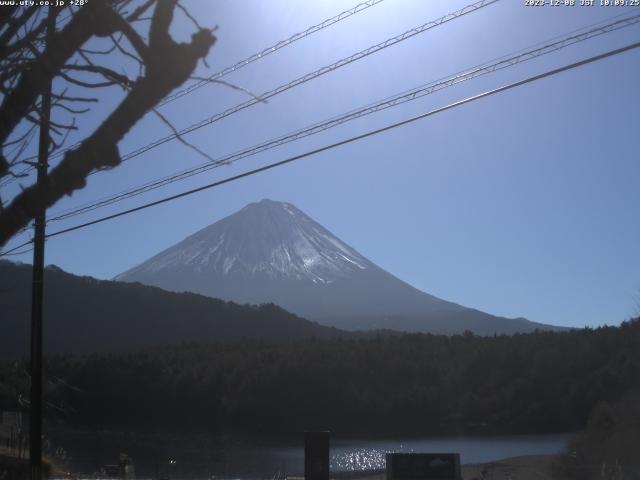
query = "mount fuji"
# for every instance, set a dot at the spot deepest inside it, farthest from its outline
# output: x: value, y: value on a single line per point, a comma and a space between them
x: 271, y: 252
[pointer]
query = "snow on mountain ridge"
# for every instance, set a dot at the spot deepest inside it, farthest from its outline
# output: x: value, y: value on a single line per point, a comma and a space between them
x: 268, y: 238
x: 271, y: 252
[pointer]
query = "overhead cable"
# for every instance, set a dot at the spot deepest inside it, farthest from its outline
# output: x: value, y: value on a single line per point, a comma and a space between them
x: 301, y: 80
x: 269, y: 50
x: 241, y: 64
x: 371, y: 133
x: 404, y: 97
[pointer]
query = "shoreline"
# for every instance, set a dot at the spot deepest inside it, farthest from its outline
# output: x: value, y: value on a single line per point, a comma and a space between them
x: 526, y: 467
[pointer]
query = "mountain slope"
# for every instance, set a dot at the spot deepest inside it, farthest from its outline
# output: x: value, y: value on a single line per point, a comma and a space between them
x: 82, y: 314
x: 272, y: 252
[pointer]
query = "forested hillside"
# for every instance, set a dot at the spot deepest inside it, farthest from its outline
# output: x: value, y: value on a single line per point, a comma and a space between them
x: 413, y: 383
x: 83, y: 315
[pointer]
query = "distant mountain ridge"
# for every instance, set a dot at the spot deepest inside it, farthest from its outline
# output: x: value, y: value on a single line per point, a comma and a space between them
x: 272, y: 252
x: 83, y: 315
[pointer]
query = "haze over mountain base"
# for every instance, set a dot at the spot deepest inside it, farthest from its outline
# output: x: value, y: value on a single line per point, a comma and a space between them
x: 272, y: 252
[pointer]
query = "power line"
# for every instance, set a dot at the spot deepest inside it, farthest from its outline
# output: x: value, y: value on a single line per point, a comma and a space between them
x: 242, y: 63
x: 371, y: 133
x: 10, y: 251
x: 273, y: 48
x: 347, y: 141
x: 391, y: 101
x: 30, y: 249
x: 303, y: 79
x: 313, y: 75
x: 503, y: 62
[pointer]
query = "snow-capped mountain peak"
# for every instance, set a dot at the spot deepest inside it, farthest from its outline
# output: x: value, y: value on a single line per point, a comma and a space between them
x: 271, y: 252
x: 267, y: 238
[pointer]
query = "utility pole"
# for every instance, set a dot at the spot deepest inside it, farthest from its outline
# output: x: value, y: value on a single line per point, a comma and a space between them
x: 36, y: 400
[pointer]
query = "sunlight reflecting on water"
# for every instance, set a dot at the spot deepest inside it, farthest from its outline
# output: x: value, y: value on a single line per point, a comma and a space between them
x: 202, y: 457
x: 358, y: 459
x: 365, y: 459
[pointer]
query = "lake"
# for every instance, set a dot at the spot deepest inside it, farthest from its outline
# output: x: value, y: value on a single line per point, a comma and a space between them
x: 200, y: 456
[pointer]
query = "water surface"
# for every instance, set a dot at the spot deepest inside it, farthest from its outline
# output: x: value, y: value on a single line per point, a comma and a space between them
x: 182, y: 456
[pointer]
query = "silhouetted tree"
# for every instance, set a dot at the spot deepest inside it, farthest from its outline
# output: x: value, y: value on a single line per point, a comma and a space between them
x: 411, y: 383
x: 27, y: 62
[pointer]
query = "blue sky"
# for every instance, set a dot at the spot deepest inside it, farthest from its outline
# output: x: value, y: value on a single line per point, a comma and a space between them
x: 522, y: 204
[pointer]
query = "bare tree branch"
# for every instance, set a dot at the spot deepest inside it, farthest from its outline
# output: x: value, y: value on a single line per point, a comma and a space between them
x: 107, y: 73
x: 121, y: 49
x: 84, y: 84
x: 140, y: 10
x: 16, y: 24
x: 87, y: 51
x: 31, y: 36
x: 93, y: 19
x: 5, y: 15
x: 69, y: 109
x: 167, y: 65
x: 179, y: 137
x: 19, y: 139
x: 64, y: 97
x: 230, y: 85
x: 134, y: 39
x: 189, y: 16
